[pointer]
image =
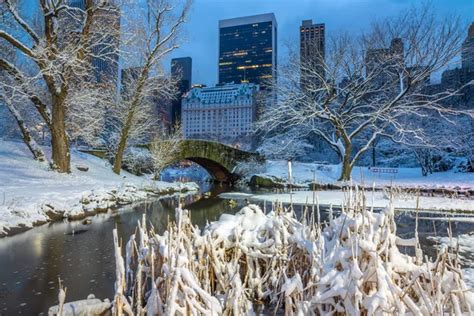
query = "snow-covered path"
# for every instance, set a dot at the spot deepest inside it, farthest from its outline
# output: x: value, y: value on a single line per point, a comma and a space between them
x: 27, y: 185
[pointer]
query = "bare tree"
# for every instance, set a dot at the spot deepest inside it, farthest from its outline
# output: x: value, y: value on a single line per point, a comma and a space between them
x: 151, y: 43
x: 58, y: 52
x: 27, y: 137
x: 164, y: 149
x: 287, y: 145
x: 368, y: 86
x: 445, y: 139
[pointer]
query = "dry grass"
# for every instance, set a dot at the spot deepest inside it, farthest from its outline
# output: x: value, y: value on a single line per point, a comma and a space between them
x: 350, y: 266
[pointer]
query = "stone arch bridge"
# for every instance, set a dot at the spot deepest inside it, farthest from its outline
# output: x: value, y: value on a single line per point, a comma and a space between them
x: 219, y: 160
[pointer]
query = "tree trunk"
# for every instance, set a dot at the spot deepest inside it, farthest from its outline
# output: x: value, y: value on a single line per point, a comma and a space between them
x: 38, y: 153
x: 373, y: 156
x: 120, y: 150
x: 119, y: 154
x: 126, y: 129
x: 346, y: 163
x: 59, y: 140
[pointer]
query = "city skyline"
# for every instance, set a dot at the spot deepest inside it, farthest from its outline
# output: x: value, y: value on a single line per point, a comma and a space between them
x: 201, y: 35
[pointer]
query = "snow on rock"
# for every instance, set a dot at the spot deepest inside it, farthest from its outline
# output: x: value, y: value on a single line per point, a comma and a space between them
x: 31, y: 194
x: 89, y: 306
x: 350, y: 266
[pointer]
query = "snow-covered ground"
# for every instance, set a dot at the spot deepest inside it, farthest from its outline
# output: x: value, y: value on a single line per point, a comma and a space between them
x: 405, y: 177
x: 31, y: 194
x: 377, y: 199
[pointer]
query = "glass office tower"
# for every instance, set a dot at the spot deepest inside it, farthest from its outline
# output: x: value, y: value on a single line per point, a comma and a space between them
x: 312, y: 54
x: 248, y: 50
x: 181, y: 73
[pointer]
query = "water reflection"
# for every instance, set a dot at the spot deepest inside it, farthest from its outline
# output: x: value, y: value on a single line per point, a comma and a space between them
x: 82, y: 255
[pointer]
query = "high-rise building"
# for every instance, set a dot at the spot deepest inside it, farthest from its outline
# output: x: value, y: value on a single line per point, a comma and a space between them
x: 223, y: 113
x: 181, y: 73
x: 106, y: 65
x: 312, y: 52
x: 383, y: 64
x: 181, y: 70
x: 129, y: 77
x: 248, y: 50
x: 467, y: 52
x: 105, y: 41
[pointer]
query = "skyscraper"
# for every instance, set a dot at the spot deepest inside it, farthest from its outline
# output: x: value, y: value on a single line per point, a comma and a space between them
x: 181, y: 73
x: 312, y: 52
x: 383, y: 64
x: 467, y: 53
x: 105, y: 40
x: 106, y: 66
x: 248, y: 50
x: 181, y: 70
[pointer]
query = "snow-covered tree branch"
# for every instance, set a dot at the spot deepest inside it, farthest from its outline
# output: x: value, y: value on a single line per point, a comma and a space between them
x: 369, y: 86
x: 164, y: 148
x: 58, y: 53
x: 151, y: 43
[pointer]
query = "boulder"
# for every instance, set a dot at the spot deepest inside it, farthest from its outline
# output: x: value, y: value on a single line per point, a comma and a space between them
x: 265, y: 181
x: 89, y: 306
x: 82, y: 168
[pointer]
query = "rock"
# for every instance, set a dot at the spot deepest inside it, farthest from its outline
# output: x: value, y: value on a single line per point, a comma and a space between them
x: 269, y: 182
x: 89, y: 306
x: 82, y: 168
x: 87, y: 221
x: 52, y: 213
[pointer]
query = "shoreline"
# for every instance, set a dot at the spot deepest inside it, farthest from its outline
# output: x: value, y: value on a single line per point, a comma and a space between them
x: 82, y: 209
x: 375, y: 199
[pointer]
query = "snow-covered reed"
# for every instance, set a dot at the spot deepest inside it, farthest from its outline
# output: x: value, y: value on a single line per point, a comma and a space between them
x: 350, y: 265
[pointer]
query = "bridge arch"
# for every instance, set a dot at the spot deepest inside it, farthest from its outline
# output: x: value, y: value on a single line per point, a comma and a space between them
x: 219, y: 160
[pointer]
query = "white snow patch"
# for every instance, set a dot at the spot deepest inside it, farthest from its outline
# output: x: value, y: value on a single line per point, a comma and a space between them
x: 29, y: 190
x: 303, y: 173
x: 469, y: 277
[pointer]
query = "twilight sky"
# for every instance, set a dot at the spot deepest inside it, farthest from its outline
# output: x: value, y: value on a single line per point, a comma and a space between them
x: 201, y: 31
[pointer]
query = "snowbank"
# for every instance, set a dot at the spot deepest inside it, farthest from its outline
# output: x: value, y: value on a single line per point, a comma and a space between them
x: 30, y: 194
x: 378, y: 199
x: 303, y: 173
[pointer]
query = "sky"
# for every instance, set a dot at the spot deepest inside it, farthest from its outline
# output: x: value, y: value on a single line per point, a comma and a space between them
x: 201, y: 30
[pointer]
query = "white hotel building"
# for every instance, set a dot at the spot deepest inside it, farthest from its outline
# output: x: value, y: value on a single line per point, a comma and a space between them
x: 223, y: 113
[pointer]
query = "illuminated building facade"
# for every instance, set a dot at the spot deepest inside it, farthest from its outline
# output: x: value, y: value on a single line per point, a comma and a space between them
x: 248, y: 50
x: 224, y: 113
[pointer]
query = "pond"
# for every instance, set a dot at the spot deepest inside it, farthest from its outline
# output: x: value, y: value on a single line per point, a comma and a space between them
x: 82, y: 254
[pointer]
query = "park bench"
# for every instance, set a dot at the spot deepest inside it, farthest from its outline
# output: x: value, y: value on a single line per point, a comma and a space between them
x: 383, y: 170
